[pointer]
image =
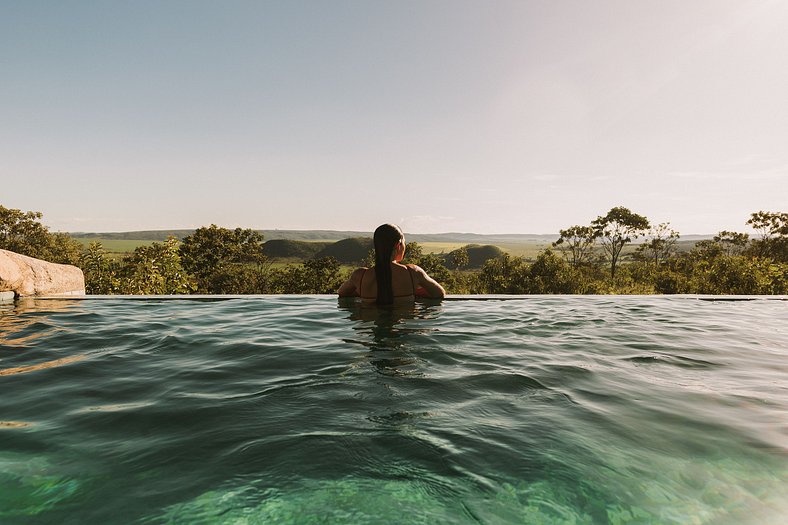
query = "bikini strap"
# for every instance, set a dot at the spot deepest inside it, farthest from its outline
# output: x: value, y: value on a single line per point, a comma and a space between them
x: 412, y: 283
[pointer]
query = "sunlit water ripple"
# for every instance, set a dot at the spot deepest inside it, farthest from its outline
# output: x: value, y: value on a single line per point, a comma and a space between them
x: 552, y: 409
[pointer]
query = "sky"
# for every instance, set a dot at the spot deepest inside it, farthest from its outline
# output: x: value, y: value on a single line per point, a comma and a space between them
x: 440, y: 116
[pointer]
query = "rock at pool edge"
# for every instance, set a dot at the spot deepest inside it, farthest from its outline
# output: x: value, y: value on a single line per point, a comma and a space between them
x: 25, y: 276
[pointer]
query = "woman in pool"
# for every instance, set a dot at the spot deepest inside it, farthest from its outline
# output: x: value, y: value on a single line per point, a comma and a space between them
x: 390, y: 281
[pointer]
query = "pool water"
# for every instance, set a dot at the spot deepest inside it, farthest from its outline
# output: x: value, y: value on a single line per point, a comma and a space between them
x: 303, y: 409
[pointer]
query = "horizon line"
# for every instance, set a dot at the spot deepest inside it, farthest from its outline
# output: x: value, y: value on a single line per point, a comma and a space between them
x: 334, y: 230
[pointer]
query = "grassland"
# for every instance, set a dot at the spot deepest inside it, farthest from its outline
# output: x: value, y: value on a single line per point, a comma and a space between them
x: 119, y: 246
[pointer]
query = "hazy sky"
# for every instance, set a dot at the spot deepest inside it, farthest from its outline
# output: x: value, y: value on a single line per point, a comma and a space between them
x: 476, y: 116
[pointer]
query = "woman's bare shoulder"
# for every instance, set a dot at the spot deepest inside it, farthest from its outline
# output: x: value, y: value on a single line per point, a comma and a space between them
x: 415, y: 267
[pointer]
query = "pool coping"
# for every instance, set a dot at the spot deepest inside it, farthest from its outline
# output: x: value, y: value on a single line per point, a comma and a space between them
x: 464, y: 297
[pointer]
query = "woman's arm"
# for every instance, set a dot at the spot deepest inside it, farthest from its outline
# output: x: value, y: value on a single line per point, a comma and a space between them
x: 430, y: 285
x: 350, y: 287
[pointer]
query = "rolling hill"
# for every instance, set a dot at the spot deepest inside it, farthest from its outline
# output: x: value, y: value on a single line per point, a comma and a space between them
x: 290, y: 249
x: 348, y: 251
x: 336, y: 235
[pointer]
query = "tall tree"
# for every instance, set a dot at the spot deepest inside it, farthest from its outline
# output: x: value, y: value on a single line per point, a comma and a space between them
x: 773, y: 227
x: 23, y: 233
x: 732, y: 243
x: 576, y: 243
x: 211, y: 252
x: 616, y: 229
x: 661, y: 244
x: 770, y: 224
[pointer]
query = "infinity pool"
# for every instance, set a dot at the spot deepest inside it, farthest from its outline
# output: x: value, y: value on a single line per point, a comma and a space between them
x: 300, y: 409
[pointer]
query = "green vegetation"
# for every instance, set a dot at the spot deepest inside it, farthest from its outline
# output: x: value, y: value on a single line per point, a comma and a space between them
x: 315, y: 276
x: 21, y: 232
x: 598, y: 258
x: 155, y: 269
x: 617, y: 229
x: 115, y: 246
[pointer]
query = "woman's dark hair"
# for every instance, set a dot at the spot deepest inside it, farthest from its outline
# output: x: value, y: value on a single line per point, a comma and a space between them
x: 386, y: 237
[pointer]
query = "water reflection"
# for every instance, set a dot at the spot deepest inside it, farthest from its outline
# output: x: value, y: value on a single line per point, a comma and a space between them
x: 387, y: 327
x: 390, y: 333
x: 25, y: 320
x: 41, y: 366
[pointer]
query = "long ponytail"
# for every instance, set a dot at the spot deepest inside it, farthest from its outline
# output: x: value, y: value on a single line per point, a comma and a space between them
x: 386, y: 237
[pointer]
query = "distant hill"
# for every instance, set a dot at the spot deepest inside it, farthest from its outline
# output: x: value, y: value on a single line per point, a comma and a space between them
x: 290, y: 249
x: 336, y: 235
x: 150, y: 235
x: 477, y: 255
x: 348, y: 251
x: 330, y: 235
x: 353, y: 250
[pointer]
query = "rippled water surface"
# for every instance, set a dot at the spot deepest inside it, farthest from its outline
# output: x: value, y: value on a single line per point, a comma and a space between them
x: 566, y: 410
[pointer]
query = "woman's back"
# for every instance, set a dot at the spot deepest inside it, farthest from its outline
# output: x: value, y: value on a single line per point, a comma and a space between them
x: 396, y: 282
x: 403, y: 286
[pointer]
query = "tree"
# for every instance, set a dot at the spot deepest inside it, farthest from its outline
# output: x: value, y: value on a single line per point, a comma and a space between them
x: 770, y: 224
x: 22, y: 233
x: 551, y: 274
x: 503, y: 275
x: 323, y: 275
x: 155, y: 270
x: 661, y: 244
x: 732, y: 243
x: 99, y: 270
x: 315, y: 276
x: 576, y: 243
x: 211, y: 253
x: 64, y: 249
x: 616, y: 229
x: 413, y: 253
x: 774, y: 235
x: 369, y: 260
x: 459, y: 258
x: 242, y: 279
x: 738, y: 274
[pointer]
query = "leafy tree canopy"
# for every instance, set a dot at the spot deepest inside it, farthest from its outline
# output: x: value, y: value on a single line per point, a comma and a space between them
x: 212, y: 251
x: 23, y: 233
x: 774, y: 235
x: 732, y: 243
x: 100, y: 271
x: 770, y: 224
x: 616, y: 229
x: 576, y: 242
x: 660, y: 246
x: 155, y: 270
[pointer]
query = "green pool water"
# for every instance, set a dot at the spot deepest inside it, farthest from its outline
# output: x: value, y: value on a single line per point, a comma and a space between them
x: 534, y: 410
